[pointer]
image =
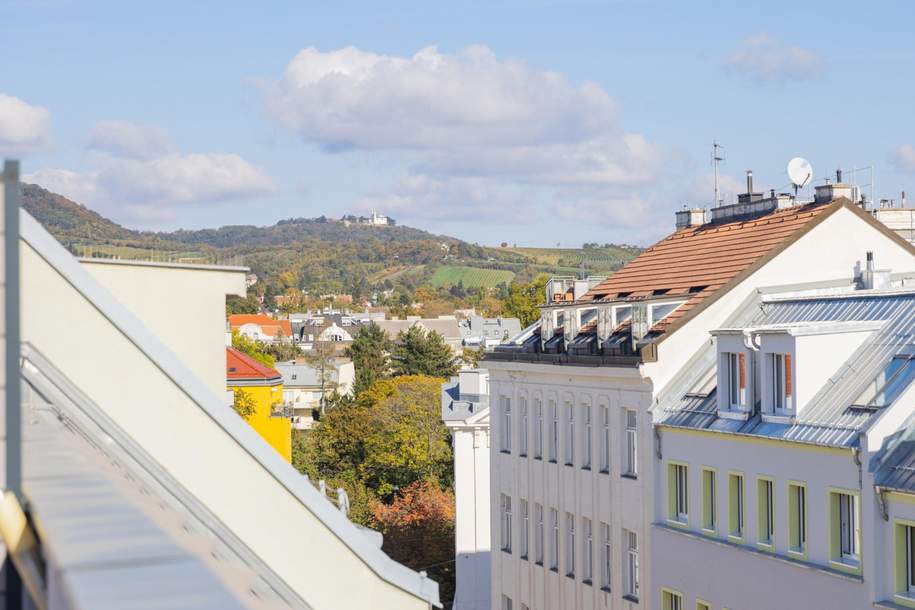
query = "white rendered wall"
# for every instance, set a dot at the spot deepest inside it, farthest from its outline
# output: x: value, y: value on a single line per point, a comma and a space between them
x: 471, y: 495
x: 184, y: 305
x: 602, y: 497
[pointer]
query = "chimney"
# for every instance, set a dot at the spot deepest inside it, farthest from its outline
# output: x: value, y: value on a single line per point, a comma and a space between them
x: 749, y: 182
x: 838, y: 176
x: 874, y: 279
x: 690, y: 217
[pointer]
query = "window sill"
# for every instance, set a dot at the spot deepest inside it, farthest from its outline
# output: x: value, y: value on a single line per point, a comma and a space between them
x: 505, y: 451
x: 905, y: 599
x: 604, y: 471
x: 629, y: 475
x: 552, y: 461
x: 677, y: 523
x: 539, y: 458
x: 570, y: 464
x: 507, y: 551
x: 631, y: 598
x: 736, y: 538
x: 734, y: 414
x: 846, y: 565
x: 522, y: 557
x: 710, y: 531
x: 588, y: 468
x: 605, y: 589
x: 766, y: 546
x: 524, y: 455
x: 586, y: 581
x: 571, y: 576
x: 554, y: 570
x: 777, y: 419
x: 538, y: 563
x: 798, y: 553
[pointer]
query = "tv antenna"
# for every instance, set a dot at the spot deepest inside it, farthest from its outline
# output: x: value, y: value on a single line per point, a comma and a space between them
x: 799, y: 172
x: 717, y: 157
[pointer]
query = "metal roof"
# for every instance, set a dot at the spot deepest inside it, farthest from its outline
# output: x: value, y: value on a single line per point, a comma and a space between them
x: 828, y: 418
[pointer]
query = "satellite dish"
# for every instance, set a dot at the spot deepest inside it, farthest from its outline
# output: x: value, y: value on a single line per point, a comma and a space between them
x: 799, y: 172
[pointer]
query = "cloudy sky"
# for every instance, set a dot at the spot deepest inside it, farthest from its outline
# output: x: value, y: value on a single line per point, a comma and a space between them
x: 537, y: 122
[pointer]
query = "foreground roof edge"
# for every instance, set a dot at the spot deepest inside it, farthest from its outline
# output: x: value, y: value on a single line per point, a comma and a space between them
x: 49, y: 249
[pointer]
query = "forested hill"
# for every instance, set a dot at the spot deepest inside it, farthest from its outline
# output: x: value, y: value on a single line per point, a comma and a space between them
x: 324, y: 256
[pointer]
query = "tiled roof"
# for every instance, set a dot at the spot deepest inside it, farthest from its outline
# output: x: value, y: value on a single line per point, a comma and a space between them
x: 695, y: 262
x: 242, y: 367
x: 268, y: 324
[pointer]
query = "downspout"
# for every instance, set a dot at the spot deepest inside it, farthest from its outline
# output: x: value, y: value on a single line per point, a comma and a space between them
x: 657, y: 439
x: 881, y: 502
x: 856, y: 456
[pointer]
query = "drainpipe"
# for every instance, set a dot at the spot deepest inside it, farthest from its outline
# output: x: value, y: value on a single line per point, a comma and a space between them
x: 657, y: 439
x: 856, y: 456
x: 879, y: 492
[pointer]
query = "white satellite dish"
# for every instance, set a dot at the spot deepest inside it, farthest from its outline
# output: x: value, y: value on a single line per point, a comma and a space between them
x: 799, y: 172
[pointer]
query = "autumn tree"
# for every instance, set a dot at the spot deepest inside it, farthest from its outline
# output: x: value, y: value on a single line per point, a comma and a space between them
x: 369, y: 353
x: 523, y: 300
x: 420, y: 352
x: 255, y: 349
x: 243, y: 403
x: 418, y: 528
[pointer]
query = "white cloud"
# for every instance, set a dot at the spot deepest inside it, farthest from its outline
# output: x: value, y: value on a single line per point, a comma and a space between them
x: 130, y: 140
x: 767, y: 59
x: 153, y: 186
x: 904, y: 158
x: 701, y: 191
x: 23, y: 127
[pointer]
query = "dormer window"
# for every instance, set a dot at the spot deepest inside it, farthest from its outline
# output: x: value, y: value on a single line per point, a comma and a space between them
x: 735, y: 378
x: 782, y: 386
x: 734, y: 365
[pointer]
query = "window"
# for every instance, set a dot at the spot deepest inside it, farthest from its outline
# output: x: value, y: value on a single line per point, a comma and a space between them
x: 538, y: 429
x: 735, y: 366
x: 889, y: 383
x: 605, y: 556
x: 587, y: 553
x: 702, y: 605
x: 522, y: 431
x: 678, y: 493
x: 735, y: 505
x: 554, y: 431
x: 605, y: 439
x: 844, y: 528
x: 506, y: 512
x: 905, y: 561
x: 538, y: 534
x: 709, y: 500
x: 797, y: 518
x: 630, y: 459
x: 586, y: 438
x: 506, y: 602
x: 570, y: 545
x: 525, y: 529
x: 632, y: 564
x: 554, y: 540
x: 780, y: 374
x: 765, y: 495
x: 570, y: 435
x: 506, y: 424
x: 671, y: 600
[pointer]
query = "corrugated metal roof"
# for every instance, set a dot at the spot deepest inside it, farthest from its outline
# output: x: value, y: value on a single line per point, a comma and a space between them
x: 828, y: 419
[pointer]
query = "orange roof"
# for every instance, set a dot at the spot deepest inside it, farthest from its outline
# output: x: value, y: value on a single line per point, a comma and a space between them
x: 268, y: 324
x: 696, y: 261
x: 242, y: 367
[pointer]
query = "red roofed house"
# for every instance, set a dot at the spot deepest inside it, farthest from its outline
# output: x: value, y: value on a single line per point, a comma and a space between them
x: 260, y: 387
x: 261, y: 327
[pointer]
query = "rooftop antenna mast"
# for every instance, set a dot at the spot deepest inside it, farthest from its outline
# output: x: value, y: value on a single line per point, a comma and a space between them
x: 717, y: 157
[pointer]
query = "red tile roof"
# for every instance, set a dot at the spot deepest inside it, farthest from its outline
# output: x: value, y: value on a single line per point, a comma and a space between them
x: 242, y: 367
x: 267, y: 324
x: 695, y: 262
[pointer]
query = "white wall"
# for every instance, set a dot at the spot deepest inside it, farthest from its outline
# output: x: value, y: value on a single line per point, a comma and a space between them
x: 183, y: 305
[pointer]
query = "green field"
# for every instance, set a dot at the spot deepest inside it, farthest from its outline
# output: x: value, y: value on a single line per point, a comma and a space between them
x: 471, y: 277
x: 602, y: 260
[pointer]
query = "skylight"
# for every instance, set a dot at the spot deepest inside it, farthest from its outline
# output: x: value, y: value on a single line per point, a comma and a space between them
x: 889, y: 383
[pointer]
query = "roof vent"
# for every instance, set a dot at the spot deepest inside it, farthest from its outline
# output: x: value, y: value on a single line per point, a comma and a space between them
x: 690, y: 217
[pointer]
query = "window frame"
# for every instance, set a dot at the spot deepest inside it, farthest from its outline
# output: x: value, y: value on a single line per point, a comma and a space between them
x: 605, y: 440
x: 522, y: 426
x: 780, y: 375
x: 631, y: 443
x: 904, y: 562
x: 798, y: 512
x: 505, y: 440
x: 524, y: 531
x: 587, y: 552
x: 570, y: 434
x: 538, y: 538
x: 538, y: 436
x: 737, y: 505
x: 554, y: 540
x: 606, y: 563
x: 505, y: 523
x: 586, y: 431
x: 708, y: 475
x: 631, y: 555
x: 765, y: 518
x: 671, y: 599
x: 553, y: 444
x: 678, y: 493
x: 570, y: 546
x: 838, y: 558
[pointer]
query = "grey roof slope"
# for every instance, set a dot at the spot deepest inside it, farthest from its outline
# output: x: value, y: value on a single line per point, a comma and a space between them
x: 828, y: 418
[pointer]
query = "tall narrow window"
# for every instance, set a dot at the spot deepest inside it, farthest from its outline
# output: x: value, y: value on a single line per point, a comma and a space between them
x: 709, y: 500
x: 570, y: 545
x: 765, y: 493
x: 538, y: 534
x: 605, y: 556
x: 506, y: 602
x: 538, y: 429
x: 587, y: 552
x: 671, y: 600
x: 844, y: 537
x: 632, y: 564
x: 570, y: 435
x: 905, y: 561
x: 630, y: 458
x: 605, y: 439
x: 506, y: 424
x: 522, y: 430
x: 554, y: 539
x: 736, y: 505
x: 525, y: 529
x: 678, y: 493
x: 554, y: 431
x: 586, y: 437
x: 736, y: 369
x: 506, y: 505
x: 797, y: 518
x: 782, y: 386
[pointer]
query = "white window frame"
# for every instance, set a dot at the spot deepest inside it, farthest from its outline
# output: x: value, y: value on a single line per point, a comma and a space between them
x: 570, y: 435
x: 505, y: 503
x: 849, y: 525
x: 554, y: 433
x: 522, y: 430
x: 570, y: 545
x: 538, y: 434
x: 538, y: 536
x: 524, y: 533
x: 632, y: 564
x: 781, y: 383
x: 554, y: 540
x: 506, y: 424
x: 586, y: 438
x: 909, y: 533
x: 606, y: 555
x: 587, y: 553
x: 631, y: 445
x: 605, y: 440
x: 767, y: 506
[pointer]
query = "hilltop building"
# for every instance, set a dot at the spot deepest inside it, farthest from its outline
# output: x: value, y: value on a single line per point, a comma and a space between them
x: 264, y: 387
x: 664, y: 438
x: 374, y: 219
x: 143, y: 487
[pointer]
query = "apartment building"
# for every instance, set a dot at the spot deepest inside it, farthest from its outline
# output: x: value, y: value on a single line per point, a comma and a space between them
x: 579, y: 499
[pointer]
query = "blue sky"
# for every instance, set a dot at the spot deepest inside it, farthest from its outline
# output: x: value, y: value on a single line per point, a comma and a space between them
x: 536, y: 122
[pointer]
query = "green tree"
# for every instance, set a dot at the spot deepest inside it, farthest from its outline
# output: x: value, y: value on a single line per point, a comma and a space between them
x: 243, y: 404
x: 282, y: 350
x: 523, y: 300
x: 369, y: 353
x: 236, y: 304
x: 418, y: 352
x: 255, y: 349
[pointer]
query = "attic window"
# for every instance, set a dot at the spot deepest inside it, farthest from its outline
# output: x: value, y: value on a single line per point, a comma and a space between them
x: 889, y: 383
x: 695, y: 289
x: 623, y: 295
x: 660, y: 292
x: 598, y: 297
x: 232, y: 369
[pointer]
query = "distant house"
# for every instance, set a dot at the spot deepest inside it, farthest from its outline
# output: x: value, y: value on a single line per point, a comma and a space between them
x: 260, y: 327
x: 265, y: 386
x: 329, y: 326
x: 488, y: 332
x: 446, y: 326
x: 304, y: 389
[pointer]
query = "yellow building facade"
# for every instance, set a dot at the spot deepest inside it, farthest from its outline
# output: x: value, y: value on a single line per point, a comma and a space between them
x: 260, y: 389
